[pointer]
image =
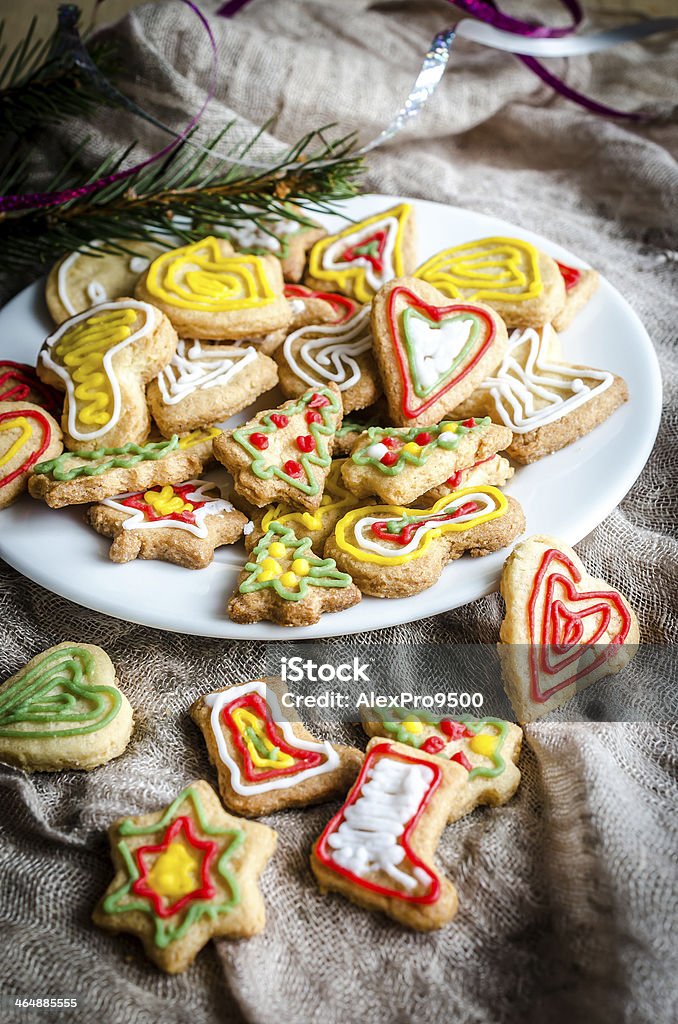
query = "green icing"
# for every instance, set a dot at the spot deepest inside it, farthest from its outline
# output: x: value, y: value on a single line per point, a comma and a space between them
x: 257, y: 742
x: 123, y: 900
x: 50, y: 693
x: 409, y: 315
x: 440, y: 439
x: 397, y: 730
x: 112, y: 458
x: 323, y: 571
x: 319, y: 431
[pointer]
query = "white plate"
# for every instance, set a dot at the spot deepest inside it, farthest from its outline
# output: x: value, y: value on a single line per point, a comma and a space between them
x: 567, y: 494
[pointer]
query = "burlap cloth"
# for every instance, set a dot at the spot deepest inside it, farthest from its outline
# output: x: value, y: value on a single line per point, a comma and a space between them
x: 567, y: 894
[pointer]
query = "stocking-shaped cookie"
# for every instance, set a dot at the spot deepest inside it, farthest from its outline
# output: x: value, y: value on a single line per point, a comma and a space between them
x: 284, y: 454
x: 520, y: 282
x: 563, y: 629
x: 431, y: 354
x: 364, y: 256
x: 392, y: 551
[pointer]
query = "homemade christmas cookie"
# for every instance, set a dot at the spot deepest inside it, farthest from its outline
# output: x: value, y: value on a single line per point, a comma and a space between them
x: 209, y: 291
x: 284, y: 454
x: 78, y: 477
x: 562, y: 630
x: 64, y: 710
x: 520, y: 282
x: 332, y: 353
x: 180, y: 523
x: 288, y: 238
x: 580, y: 284
x: 378, y: 848
x: 546, y: 402
x: 264, y: 761
x: 364, y: 256
x: 494, y: 471
x: 85, y: 279
x: 20, y: 383
x: 310, y: 306
x: 204, y: 384
x: 353, y: 426
x: 27, y: 434
x: 398, y: 464
x: 285, y: 582
x: 265, y: 343
x: 392, y: 551
x: 487, y: 748
x: 317, y: 525
x: 184, y: 875
x: 431, y: 354
x: 103, y: 359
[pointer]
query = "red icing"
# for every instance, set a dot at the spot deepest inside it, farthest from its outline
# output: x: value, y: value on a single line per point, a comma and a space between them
x: 453, y: 730
x: 571, y: 276
x: 324, y: 853
x: 259, y: 441
x: 433, y: 745
x: 293, y: 468
x: 256, y: 704
x: 423, y: 438
x: 343, y: 307
x: 18, y: 381
x: 357, y: 252
x: 455, y: 480
x: 436, y: 313
x: 560, y: 641
x: 279, y: 418
x: 461, y: 758
x: 389, y: 458
x: 380, y: 529
x: 469, y: 422
x: 313, y: 417
x: 151, y: 514
x: 35, y: 456
x: 318, y: 401
x: 306, y: 443
x: 185, y: 829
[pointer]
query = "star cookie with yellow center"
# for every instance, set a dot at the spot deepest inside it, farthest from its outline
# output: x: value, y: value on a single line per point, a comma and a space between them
x: 178, y: 523
x: 184, y: 875
x: 285, y: 582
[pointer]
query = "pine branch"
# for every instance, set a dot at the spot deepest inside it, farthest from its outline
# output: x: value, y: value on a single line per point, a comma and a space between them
x: 185, y: 195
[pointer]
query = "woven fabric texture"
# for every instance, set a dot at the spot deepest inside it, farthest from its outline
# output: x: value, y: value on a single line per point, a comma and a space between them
x: 567, y: 894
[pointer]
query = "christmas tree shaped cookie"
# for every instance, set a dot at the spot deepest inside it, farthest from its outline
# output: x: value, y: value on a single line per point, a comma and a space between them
x: 488, y: 748
x: 185, y: 874
x: 284, y: 454
x: 364, y: 256
x: 64, y: 710
x: 285, y: 582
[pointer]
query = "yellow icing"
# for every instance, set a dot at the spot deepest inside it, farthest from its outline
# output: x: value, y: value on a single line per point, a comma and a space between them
x: 22, y: 424
x: 277, y: 550
x: 81, y: 350
x: 289, y: 580
x: 269, y: 570
x: 198, y: 436
x: 500, y: 269
x: 200, y: 277
x: 166, y: 502
x: 245, y: 720
x: 345, y: 526
x: 176, y: 873
x: 412, y: 727
x: 301, y: 566
x: 484, y: 744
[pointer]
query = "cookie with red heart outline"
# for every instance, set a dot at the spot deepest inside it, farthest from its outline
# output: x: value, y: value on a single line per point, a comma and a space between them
x: 563, y: 629
x: 311, y: 306
x: 391, y: 551
x: 28, y: 435
x: 580, y: 284
x: 431, y: 353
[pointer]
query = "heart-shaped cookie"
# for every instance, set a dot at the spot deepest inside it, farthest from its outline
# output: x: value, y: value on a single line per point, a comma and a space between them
x: 27, y: 434
x: 431, y: 354
x: 563, y: 629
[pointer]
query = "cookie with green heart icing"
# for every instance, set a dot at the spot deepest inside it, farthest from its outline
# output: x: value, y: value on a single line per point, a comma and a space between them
x: 62, y: 710
x: 432, y: 353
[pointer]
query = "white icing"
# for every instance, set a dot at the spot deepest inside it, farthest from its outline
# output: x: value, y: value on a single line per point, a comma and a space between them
x: 248, y: 528
x: 367, y: 839
x: 62, y: 275
x: 332, y: 355
x: 377, y: 450
x: 199, y: 368
x: 298, y: 306
x: 332, y: 255
x: 137, y: 520
x: 150, y: 318
x: 367, y: 542
x: 218, y: 701
x: 250, y: 236
x: 138, y: 264
x: 96, y: 292
x: 434, y: 349
x: 528, y: 376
